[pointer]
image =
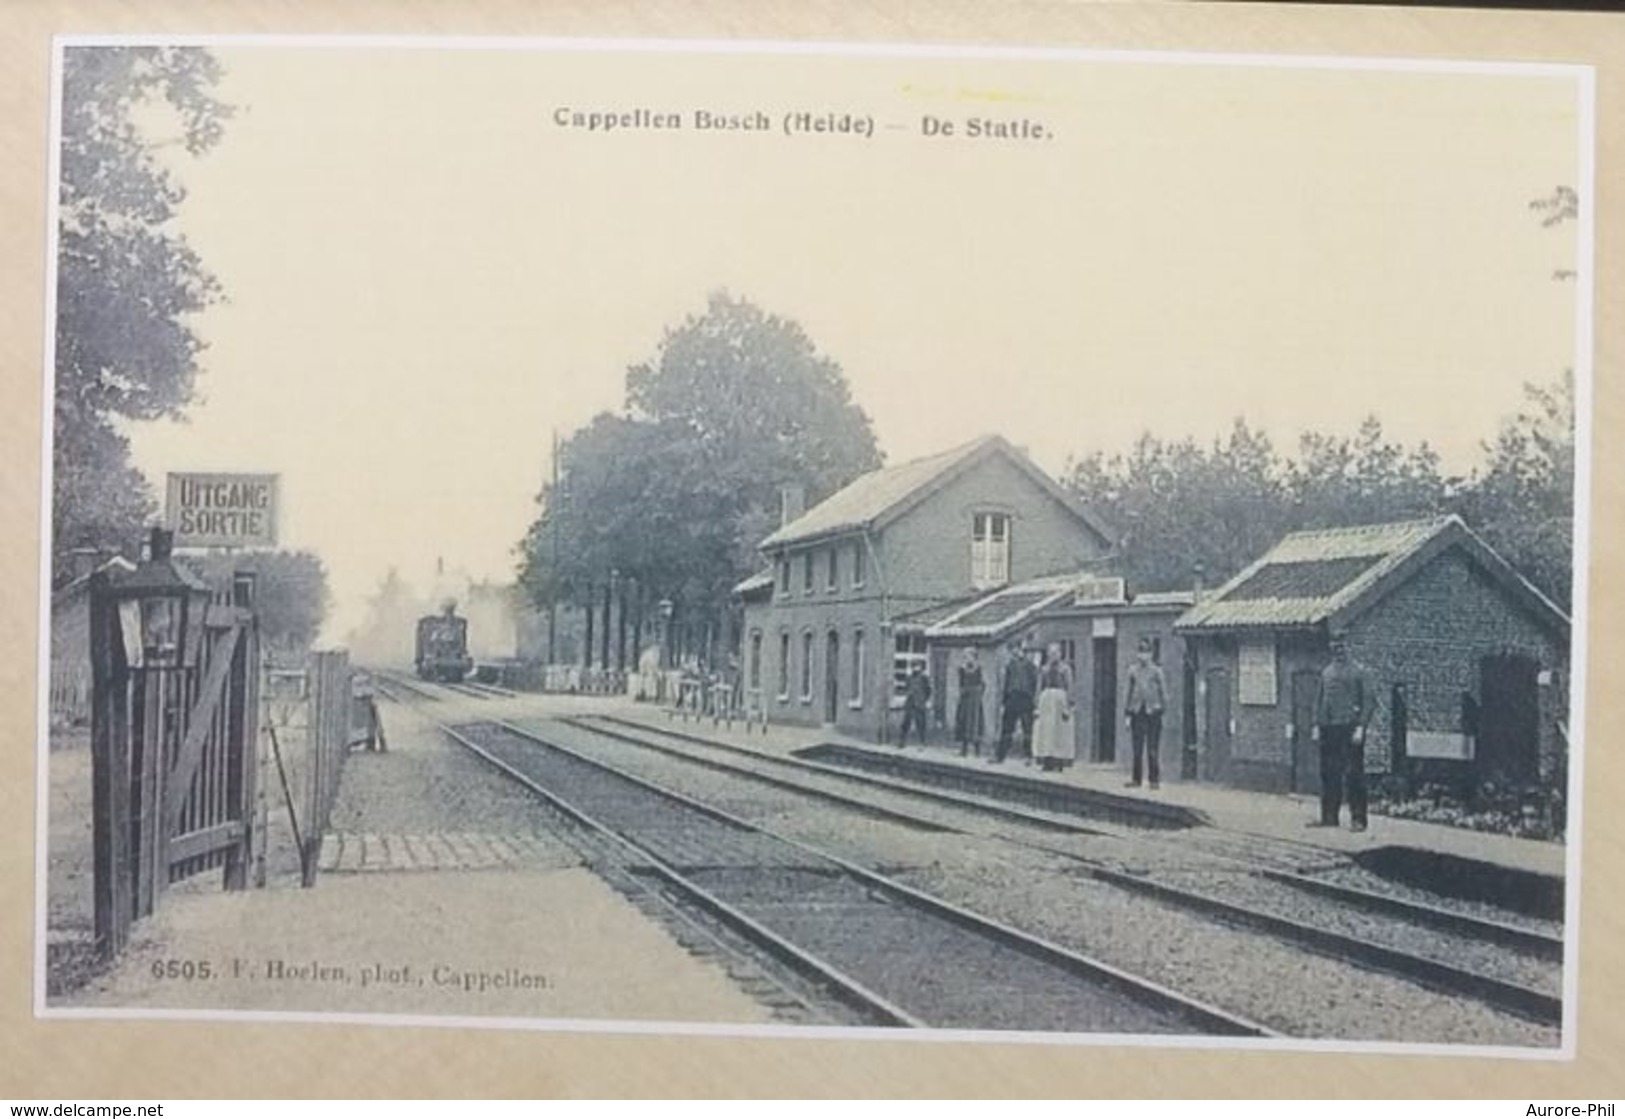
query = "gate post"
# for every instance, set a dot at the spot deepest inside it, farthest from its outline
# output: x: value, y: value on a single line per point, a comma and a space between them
x: 110, y: 779
x: 242, y: 763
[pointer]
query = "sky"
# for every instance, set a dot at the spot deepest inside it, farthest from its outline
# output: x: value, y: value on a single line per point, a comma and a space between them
x: 427, y: 275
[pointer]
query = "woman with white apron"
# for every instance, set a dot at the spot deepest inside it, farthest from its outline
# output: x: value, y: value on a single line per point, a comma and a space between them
x: 1053, y: 742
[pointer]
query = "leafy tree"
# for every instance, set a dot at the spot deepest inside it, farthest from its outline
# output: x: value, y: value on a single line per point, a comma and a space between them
x: 1364, y: 480
x: 1563, y: 205
x: 671, y: 499
x: 759, y: 404
x: 127, y: 283
x: 1180, y: 504
x: 1523, y: 501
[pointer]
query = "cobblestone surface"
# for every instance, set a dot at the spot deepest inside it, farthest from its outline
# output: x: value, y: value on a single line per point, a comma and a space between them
x: 357, y: 852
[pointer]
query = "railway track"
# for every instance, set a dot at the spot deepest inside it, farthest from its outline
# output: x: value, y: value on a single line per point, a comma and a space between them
x: 1464, y: 956
x: 876, y: 945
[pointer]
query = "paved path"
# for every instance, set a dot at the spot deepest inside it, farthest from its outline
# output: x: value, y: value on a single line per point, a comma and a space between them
x: 442, y: 894
x: 1278, y: 816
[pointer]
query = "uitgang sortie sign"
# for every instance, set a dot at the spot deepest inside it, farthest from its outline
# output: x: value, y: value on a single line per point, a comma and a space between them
x: 222, y: 510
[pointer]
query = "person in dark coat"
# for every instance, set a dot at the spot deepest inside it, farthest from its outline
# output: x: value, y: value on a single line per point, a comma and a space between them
x: 916, y: 697
x: 1143, y: 707
x: 1017, y: 693
x: 1347, y: 699
x: 968, y: 713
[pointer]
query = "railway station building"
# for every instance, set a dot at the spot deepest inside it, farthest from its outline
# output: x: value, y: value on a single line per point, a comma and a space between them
x: 1098, y: 627
x: 1469, y: 659
x: 838, y: 620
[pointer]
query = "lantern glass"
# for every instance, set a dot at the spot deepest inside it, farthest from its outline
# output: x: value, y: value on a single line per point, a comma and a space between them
x: 162, y: 618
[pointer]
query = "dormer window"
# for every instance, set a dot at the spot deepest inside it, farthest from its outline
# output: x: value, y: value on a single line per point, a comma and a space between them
x: 989, y: 550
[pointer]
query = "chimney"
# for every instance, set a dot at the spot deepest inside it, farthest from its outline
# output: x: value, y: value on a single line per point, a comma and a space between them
x: 1198, y: 572
x: 792, y: 502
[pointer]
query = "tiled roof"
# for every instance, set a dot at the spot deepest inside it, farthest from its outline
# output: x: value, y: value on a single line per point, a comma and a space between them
x: 924, y: 617
x: 1322, y: 576
x: 68, y: 590
x: 868, y: 498
x: 991, y: 616
x: 872, y: 498
x: 762, y: 580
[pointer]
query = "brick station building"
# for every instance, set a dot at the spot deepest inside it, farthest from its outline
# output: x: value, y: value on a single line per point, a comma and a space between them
x: 825, y: 636
x: 1469, y: 659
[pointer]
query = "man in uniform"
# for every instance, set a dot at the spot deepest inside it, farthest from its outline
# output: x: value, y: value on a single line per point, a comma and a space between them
x: 1147, y: 697
x: 916, y: 694
x: 1347, y: 699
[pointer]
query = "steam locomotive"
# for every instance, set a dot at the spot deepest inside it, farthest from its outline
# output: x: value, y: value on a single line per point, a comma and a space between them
x: 442, y: 646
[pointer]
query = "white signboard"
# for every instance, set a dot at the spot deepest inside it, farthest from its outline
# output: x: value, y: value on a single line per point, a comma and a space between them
x: 1256, y: 683
x: 222, y: 510
x: 1450, y: 745
x: 1100, y: 592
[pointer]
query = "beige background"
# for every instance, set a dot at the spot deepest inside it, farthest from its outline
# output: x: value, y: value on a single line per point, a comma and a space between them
x: 63, y: 1060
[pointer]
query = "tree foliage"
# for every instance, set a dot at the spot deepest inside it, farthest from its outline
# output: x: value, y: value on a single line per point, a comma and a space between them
x: 1225, y: 504
x: 1523, y: 501
x: 291, y: 595
x: 127, y: 282
x: 672, y: 497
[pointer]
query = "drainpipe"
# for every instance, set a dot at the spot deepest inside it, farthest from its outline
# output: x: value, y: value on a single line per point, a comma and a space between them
x: 883, y: 693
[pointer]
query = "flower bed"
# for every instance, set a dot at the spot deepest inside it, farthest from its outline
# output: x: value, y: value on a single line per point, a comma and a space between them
x: 1528, y: 812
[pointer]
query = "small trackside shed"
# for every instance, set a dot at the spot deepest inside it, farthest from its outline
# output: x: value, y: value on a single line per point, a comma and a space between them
x: 1098, y: 627
x: 1469, y: 659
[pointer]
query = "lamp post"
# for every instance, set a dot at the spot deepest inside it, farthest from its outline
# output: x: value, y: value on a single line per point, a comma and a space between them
x: 146, y: 628
x: 666, y: 608
x: 161, y: 607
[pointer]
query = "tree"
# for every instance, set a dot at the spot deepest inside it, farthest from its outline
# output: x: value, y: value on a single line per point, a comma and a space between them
x: 1364, y: 480
x: 758, y: 402
x: 1180, y: 504
x: 1225, y: 505
x: 127, y: 283
x: 1563, y: 205
x: 291, y: 595
x: 671, y: 499
x: 1523, y: 502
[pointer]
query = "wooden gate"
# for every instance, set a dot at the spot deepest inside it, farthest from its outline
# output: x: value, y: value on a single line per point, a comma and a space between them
x: 174, y: 735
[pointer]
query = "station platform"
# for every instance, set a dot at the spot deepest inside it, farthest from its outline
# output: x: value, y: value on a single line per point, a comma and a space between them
x: 1272, y: 815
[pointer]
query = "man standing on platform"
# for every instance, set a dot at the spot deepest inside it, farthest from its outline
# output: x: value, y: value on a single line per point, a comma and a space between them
x: 1020, y: 686
x: 1147, y: 696
x: 1347, y: 699
x: 916, y: 695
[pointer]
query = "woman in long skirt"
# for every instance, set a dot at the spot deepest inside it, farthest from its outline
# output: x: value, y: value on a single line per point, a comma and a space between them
x: 1053, y: 743
x: 968, y: 714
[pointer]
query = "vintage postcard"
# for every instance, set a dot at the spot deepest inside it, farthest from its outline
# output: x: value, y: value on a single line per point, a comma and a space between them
x: 774, y: 539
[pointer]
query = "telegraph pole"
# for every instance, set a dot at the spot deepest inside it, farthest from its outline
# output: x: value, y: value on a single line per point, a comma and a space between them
x: 553, y: 596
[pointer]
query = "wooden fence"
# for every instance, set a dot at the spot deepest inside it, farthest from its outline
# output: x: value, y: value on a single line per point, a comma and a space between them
x: 341, y: 714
